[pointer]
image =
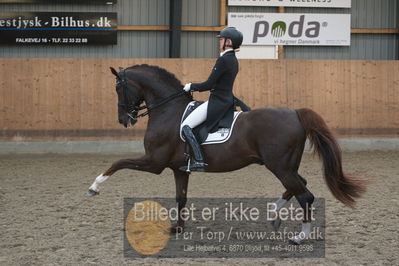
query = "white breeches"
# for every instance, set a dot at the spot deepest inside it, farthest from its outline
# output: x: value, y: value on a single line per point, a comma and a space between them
x: 197, y: 117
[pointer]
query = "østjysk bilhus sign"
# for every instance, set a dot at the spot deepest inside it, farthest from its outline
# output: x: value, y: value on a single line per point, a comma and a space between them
x: 58, y: 2
x: 58, y: 28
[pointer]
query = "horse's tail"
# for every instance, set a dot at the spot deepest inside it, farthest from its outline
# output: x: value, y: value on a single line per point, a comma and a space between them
x: 345, y: 188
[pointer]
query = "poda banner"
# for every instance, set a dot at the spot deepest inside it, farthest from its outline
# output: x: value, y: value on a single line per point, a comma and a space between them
x: 293, y: 3
x: 292, y: 29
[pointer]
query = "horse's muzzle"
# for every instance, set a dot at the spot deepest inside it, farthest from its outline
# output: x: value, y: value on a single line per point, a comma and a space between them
x: 127, y: 121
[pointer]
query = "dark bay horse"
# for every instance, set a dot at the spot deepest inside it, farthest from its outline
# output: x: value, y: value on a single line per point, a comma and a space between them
x: 274, y: 137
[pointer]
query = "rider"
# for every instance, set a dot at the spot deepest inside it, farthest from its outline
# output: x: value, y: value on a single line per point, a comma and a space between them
x: 218, y: 111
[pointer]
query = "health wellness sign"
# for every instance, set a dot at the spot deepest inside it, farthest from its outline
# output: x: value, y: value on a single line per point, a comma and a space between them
x: 55, y: 28
x: 293, y: 29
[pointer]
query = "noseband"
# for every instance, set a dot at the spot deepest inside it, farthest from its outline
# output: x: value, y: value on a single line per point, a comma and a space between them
x: 132, y: 109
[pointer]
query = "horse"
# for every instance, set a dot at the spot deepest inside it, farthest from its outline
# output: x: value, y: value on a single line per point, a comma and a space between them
x: 273, y: 137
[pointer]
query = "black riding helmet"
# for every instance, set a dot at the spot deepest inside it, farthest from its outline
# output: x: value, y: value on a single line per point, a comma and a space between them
x: 233, y: 34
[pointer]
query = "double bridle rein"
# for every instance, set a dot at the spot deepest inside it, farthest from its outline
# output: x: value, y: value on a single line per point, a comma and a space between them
x: 132, y: 109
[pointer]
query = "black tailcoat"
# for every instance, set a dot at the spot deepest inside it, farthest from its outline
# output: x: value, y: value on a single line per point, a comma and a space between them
x: 221, y: 100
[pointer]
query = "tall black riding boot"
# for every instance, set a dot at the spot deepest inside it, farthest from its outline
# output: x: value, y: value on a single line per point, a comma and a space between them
x: 198, y: 163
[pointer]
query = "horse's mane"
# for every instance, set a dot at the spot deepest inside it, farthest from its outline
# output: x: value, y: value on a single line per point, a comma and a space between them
x: 163, y: 73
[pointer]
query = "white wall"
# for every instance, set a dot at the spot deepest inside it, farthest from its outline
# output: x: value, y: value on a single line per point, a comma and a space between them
x: 258, y: 52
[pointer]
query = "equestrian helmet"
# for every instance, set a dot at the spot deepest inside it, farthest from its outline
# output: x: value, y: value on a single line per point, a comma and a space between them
x: 233, y: 34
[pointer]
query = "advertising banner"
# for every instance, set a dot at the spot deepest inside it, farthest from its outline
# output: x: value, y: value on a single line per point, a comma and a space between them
x: 293, y: 29
x: 58, y: 28
x: 293, y: 3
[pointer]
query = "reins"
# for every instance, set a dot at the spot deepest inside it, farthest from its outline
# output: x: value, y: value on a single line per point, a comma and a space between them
x: 154, y: 106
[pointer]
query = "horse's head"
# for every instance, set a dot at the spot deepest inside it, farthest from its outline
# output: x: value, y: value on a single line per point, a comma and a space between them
x: 129, y: 98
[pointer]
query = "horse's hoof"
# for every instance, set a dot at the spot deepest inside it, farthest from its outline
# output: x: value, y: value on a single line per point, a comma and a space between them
x: 92, y: 193
x: 276, y: 224
x: 176, y: 229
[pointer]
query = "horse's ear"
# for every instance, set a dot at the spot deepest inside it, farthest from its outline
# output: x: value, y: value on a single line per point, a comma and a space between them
x: 114, y: 72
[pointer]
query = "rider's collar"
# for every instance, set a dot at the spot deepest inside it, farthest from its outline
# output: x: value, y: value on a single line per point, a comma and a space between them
x: 225, y: 51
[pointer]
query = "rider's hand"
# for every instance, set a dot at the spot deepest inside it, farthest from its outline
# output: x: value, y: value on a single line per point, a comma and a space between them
x: 187, y: 87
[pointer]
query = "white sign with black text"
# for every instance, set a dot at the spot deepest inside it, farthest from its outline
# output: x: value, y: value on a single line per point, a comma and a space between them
x: 292, y: 29
x: 296, y: 3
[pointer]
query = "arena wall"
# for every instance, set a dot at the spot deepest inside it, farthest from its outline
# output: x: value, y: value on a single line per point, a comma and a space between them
x: 62, y: 99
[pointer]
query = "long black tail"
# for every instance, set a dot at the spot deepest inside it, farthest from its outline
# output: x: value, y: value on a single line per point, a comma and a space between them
x: 344, y: 187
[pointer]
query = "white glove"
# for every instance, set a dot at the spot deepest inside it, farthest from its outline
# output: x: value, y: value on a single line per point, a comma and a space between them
x: 187, y: 87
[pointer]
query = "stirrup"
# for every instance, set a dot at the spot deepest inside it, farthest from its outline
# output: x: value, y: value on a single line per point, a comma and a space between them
x: 195, y: 166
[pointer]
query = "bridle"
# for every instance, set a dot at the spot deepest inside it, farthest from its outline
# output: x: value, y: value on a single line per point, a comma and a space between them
x: 132, y: 109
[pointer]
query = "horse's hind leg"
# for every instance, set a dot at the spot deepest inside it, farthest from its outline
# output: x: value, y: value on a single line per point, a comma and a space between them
x: 285, y: 197
x: 292, y: 161
x: 296, y: 186
x: 286, y: 170
x: 306, y: 200
x: 283, y: 161
x: 278, y: 205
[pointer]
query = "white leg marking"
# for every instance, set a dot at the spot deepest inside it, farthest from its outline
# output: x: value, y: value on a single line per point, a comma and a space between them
x: 304, y: 233
x: 99, y: 179
x: 280, y: 203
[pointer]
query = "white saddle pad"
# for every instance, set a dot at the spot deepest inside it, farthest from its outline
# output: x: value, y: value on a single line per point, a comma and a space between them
x: 220, y: 136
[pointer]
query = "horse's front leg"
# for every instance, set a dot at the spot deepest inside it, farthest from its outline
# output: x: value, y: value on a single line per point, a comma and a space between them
x: 181, y: 180
x: 142, y: 164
